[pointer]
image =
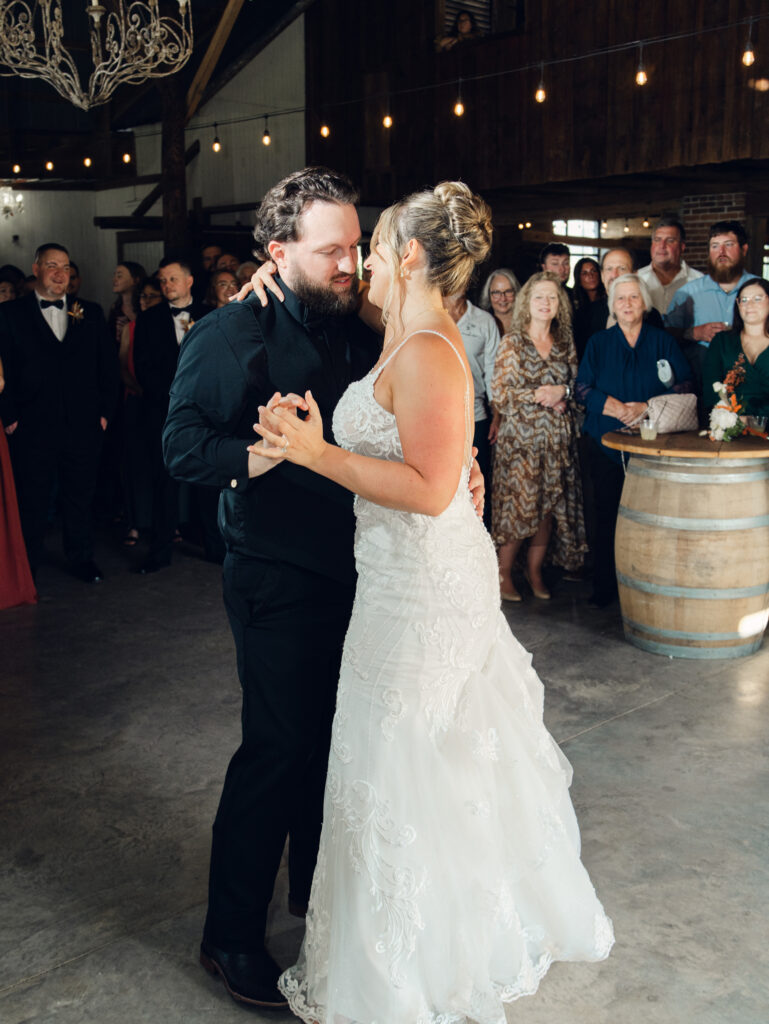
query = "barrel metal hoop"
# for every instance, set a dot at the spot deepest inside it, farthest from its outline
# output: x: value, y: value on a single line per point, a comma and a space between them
x: 682, y: 634
x: 700, y: 653
x: 696, y: 478
x: 703, y: 525
x: 670, y: 460
x: 697, y: 593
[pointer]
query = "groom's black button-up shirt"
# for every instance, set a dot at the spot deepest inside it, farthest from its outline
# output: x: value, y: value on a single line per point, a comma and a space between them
x: 230, y: 363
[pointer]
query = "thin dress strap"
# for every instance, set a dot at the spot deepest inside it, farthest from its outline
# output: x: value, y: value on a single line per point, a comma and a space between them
x: 469, y: 408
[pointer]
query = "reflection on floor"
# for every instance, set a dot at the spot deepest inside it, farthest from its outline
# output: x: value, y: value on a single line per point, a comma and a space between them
x: 120, y: 711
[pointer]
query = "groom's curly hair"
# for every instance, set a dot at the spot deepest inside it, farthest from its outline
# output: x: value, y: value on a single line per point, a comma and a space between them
x: 277, y: 218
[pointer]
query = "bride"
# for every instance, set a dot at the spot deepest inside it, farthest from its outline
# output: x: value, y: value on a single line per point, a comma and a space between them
x: 449, y: 874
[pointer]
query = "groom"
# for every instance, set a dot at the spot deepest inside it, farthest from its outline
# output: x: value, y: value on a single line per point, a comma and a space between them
x: 289, y: 575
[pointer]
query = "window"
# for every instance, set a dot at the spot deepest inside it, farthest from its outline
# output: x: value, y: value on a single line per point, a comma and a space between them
x: 765, y: 267
x: 587, y: 229
x: 480, y: 10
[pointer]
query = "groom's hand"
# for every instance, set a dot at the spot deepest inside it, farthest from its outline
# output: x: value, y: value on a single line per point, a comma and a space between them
x: 477, y: 485
x: 290, y: 403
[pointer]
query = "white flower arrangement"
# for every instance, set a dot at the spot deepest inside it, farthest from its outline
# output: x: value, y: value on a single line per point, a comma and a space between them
x: 725, y: 423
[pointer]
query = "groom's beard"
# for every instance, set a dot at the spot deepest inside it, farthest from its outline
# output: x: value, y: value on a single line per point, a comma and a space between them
x: 322, y: 299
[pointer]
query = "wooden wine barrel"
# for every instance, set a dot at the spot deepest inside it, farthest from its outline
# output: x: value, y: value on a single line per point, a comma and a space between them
x: 692, y: 555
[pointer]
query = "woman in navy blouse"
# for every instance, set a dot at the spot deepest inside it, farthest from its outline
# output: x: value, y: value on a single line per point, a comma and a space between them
x: 622, y: 368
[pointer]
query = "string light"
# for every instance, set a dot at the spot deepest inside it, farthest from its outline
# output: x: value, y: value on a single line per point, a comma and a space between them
x: 626, y: 228
x: 645, y: 222
x: 216, y: 144
x: 49, y: 165
x: 266, y: 140
x: 459, y: 107
x: 387, y: 121
x: 641, y: 78
x: 749, y: 54
x: 325, y: 131
x: 126, y: 158
x: 604, y: 225
x: 17, y: 169
x: 541, y: 95
x: 528, y: 223
x: 520, y: 226
x: 87, y: 161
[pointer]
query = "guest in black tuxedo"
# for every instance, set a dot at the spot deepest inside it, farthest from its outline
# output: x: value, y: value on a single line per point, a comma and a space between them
x: 158, y: 334
x: 62, y: 380
x: 289, y: 572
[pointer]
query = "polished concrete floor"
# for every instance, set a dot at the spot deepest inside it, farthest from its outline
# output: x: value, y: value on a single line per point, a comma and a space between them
x: 120, y: 709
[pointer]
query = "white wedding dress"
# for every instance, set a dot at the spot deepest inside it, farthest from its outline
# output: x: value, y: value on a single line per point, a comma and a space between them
x: 449, y: 874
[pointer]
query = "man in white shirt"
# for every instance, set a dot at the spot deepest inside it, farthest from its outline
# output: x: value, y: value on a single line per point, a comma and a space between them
x: 668, y: 271
x: 480, y: 337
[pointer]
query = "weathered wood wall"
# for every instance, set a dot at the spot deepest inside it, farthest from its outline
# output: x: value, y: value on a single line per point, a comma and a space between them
x: 697, y: 107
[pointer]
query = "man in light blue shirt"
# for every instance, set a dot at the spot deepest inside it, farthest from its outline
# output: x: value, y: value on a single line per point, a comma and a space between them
x: 702, y: 308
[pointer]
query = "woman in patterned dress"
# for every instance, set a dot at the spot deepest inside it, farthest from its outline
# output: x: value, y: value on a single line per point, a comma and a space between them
x: 537, y: 492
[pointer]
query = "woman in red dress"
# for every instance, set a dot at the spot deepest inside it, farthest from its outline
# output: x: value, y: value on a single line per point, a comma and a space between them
x: 16, y: 583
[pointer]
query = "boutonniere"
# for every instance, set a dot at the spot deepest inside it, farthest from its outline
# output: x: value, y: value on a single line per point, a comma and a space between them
x: 77, y: 312
x: 186, y: 326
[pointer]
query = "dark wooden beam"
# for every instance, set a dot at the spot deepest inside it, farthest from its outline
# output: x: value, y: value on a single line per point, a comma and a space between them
x: 127, y: 223
x: 172, y: 157
x: 152, y: 197
x: 212, y: 55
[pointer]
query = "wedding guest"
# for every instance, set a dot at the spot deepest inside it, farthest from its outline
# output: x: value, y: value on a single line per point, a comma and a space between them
x: 498, y: 297
x: 223, y: 285
x: 536, y: 494
x: 246, y: 271
x: 668, y: 270
x: 588, y: 288
x: 159, y: 332
x: 228, y: 261
x: 555, y: 258
x: 62, y: 383
x: 622, y: 368
x: 209, y: 254
x: 7, y: 288
x: 73, y: 287
x: 136, y: 477
x: 745, y: 349
x: 17, y: 277
x: 16, y: 583
x: 125, y: 280
x: 463, y: 30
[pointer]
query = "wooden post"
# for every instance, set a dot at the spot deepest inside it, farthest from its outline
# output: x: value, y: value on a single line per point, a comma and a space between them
x: 175, y: 229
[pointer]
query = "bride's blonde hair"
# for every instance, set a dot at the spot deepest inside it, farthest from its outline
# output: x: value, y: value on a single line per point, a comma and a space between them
x: 453, y: 226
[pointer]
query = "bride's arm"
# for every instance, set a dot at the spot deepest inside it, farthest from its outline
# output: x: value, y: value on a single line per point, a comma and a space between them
x: 427, y: 389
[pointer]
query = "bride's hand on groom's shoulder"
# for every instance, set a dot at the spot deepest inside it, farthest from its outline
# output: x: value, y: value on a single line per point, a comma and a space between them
x: 477, y: 485
x: 261, y: 282
x: 285, y: 436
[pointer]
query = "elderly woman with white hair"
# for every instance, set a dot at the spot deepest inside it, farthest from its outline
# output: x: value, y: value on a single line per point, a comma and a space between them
x: 498, y: 297
x: 623, y: 367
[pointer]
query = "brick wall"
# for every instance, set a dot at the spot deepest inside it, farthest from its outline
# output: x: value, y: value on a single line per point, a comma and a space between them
x: 699, y: 212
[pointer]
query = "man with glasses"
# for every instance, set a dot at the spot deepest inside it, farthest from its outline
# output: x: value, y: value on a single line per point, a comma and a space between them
x: 705, y: 307
x: 668, y: 271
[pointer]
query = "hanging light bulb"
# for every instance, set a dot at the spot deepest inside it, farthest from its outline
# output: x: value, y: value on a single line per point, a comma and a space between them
x: 520, y: 226
x: 528, y: 224
x: 541, y: 94
x: 49, y: 165
x: 216, y: 144
x: 87, y: 161
x: 17, y: 169
x: 749, y: 54
x: 126, y: 158
x: 641, y: 78
x: 387, y: 121
x: 645, y: 222
x: 626, y: 228
x: 325, y: 131
x: 266, y: 140
x: 459, y: 107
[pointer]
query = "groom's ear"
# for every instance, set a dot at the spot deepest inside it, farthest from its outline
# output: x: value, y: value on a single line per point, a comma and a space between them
x: 277, y: 251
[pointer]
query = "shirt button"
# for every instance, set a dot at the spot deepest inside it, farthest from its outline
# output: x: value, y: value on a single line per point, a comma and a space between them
x: 233, y: 482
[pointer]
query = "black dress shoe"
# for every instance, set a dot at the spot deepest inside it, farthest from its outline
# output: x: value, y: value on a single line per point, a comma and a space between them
x: 148, y: 566
x: 88, y: 572
x: 248, y: 977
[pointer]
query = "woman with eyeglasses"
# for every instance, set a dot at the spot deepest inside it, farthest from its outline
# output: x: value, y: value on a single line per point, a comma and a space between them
x: 744, y: 348
x: 224, y: 284
x: 498, y: 297
x: 135, y: 472
x: 588, y: 288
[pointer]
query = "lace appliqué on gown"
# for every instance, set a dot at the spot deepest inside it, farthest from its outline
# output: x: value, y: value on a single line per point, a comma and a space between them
x: 449, y: 877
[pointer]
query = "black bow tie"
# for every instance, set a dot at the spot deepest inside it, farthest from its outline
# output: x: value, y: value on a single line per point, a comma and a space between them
x: 59, y: 303
x: 176, y: 310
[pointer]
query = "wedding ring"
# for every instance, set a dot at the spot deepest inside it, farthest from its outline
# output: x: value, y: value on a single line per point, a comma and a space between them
x: 285, y: 446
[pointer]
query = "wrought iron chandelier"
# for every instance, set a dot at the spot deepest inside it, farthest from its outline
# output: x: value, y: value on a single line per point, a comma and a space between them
x: 130, y: 42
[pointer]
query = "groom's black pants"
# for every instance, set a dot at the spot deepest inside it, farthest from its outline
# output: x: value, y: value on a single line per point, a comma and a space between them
x: 289, y: 626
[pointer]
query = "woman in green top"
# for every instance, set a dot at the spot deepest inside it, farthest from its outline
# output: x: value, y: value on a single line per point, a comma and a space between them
x: 745, y: 348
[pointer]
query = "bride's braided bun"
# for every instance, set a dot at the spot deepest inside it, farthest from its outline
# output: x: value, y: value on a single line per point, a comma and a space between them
x: 452, y: 224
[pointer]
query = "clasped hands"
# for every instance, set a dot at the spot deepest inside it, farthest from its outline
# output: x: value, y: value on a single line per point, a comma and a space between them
x: 286, y: 436
x: 625, y: 412
x: 551, y: 396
